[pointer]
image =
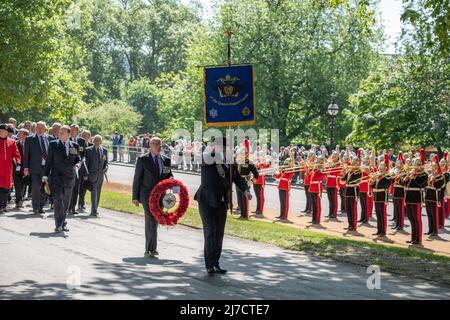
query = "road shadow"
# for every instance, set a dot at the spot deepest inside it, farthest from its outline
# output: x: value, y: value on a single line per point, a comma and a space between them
x: 315, y: 226
x: 258, y: 274
x: 143, y: 261
x: 46, y: 235
x: 25, y: 215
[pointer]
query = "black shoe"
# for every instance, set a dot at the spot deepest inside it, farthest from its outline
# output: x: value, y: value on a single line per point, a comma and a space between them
x: 394, y: 228
x: 383, y: 235
x: 210, y: 271
x: 41, y: 211
x: 428, y: 233
x: 65, y: 229
x: 376, y: 234
x: 399, y: 229
x: 154, y: 253
x: 217, y: 269
x: 409, y: 241
x: 278, y: 217
x: 416, y: 243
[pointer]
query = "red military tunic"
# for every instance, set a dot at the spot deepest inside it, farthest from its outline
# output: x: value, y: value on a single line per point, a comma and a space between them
x: 316, y: 182
x: 262, y: 178
x: 333, y: 177
x: 285, y: 180
x: 8, y: 153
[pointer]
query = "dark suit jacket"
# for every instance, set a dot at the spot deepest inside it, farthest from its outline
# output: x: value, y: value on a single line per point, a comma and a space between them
x: 33, y: 154
x: 214, y: 189
x: 21, y: 151
x: 82, y: 144
x: 58, y: 163
x: 146, y: 177
x: 96, y: 165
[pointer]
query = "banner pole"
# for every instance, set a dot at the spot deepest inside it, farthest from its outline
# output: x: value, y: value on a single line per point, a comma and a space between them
x: 229, y: 34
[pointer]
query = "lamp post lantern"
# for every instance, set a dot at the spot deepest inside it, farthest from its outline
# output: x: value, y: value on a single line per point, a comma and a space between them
x: 333, y: 110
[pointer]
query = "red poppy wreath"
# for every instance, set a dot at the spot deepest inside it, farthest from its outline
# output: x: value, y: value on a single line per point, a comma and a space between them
x: 160, y: 199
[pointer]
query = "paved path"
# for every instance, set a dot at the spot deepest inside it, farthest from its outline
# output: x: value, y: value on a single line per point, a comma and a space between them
x: 35, y: 263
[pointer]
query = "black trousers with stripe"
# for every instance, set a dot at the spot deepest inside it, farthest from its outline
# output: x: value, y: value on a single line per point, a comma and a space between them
x: 413, y: 211
x: 284, y: 203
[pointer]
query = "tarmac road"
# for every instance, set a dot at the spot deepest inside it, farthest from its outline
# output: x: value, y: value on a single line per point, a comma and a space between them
x: 102, y: 258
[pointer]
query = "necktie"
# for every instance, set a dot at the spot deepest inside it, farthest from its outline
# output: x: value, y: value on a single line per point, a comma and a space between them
x: 155, y: 158
x: 43, y: 151
x: 99, y: 155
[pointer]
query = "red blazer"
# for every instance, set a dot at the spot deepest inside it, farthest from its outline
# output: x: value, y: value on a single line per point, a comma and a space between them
x: 8, y: 153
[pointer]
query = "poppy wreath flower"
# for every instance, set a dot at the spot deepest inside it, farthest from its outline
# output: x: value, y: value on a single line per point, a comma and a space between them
x: 154, y: 202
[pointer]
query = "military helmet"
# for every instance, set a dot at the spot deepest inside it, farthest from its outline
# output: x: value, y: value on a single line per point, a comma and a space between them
x: 417, y: 162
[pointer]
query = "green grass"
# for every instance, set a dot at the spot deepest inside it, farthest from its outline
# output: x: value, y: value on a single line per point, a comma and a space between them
x: 404, y: 260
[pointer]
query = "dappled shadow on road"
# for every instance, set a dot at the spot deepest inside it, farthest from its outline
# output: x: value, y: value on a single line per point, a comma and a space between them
x: 285, y: 275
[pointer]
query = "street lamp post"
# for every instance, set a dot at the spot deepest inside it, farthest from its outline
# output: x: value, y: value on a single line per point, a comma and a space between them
x: 333, y: 110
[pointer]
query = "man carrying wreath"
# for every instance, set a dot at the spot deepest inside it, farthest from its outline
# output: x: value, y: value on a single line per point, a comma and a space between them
x: 151, y: 168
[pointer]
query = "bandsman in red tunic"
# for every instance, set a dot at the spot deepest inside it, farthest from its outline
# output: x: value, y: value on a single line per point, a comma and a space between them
x: 259, y: 185
x: 332, y: 181
x: 307, y: 171
x: 9, y: 155
x: 284, y: 187
x: 315, y: 190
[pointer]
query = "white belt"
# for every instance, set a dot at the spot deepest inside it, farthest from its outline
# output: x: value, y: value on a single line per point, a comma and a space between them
x: 413, y: 189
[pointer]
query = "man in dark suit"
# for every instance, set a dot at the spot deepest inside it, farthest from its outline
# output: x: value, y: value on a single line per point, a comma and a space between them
x: 19, y: 179
x: 213, y: 197
x: 59, y: 170
x: 86, y: 135
x: 151, y: 168
x: 96, y: 162
x: 35, y: 157
x: 74, y: 137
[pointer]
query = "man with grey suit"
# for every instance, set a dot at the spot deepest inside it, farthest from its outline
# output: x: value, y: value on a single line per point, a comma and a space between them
x: 151, y: 168
x: 96, y: 158
x: 35, y: 157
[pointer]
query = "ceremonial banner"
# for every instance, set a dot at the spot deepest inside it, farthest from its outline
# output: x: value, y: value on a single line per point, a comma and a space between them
x: 229, y: 95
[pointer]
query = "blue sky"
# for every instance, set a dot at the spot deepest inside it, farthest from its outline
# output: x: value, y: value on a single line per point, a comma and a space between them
x: 390, y: 11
